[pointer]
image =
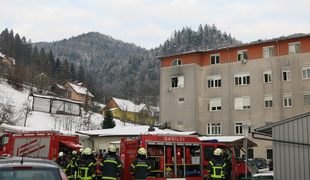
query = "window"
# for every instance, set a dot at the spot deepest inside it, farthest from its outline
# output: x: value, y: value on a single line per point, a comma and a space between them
x: 69, y: 94
x: 242, y: 55
x: 177, y: 82
x: 215, y: 104
x: 215, y: 59
x: 268, y: 100
x: 181, y: 99
x: 250, y: 153
x: 269, y: 153
x: 267, y: 76
x: 214, y: 129
x: 294, y: 48
x: 238, y: 127
x: 286, y: 74
x: 268, y: 51
x: 242, y: 78
x: 177, y: 62
x: 306, y: 72
x: 180, y: 123
x: 287, y: 100
x: 307, y: 98
x: 214, y: 81
x: 242, y: 103
x: 208, y: 152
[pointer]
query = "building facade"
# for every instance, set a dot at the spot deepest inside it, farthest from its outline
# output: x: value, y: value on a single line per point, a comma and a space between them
x: 214, y: 92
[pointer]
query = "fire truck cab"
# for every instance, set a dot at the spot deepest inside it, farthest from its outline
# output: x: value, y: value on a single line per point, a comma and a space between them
x: 174, y: 157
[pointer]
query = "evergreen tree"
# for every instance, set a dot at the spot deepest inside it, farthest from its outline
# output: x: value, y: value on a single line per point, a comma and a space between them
x: 58, y: 69
x: 108, y: 121
x: 43, y: 62
x: 72, y: 75
x: 4, y: 37
x: 81, y: 74
x: 51, y: 64
x: 64, y: 71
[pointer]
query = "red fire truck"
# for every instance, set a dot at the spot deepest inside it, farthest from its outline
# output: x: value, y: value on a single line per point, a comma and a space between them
x: 44, y: 145
x: 176, y: 157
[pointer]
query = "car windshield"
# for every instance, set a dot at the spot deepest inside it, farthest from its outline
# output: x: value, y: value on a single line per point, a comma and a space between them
x: 30, y: 174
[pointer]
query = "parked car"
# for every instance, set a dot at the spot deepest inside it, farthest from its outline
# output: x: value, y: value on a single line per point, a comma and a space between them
x: 30, y: 169
x: 270, y: 164
x: 260, y: 162
x: 268, y: 175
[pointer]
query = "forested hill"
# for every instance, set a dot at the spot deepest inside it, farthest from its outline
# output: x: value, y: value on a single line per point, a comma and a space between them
x: 126, y: 70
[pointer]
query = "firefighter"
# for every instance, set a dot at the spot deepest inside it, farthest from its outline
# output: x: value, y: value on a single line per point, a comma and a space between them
x: 110, y: 165
x: 217, y: 167
x: 140, y: 167
x: 99, y: 173
x: 227, y: 160
x: 86, y: 166
x: 64, y: 163
x: 73, y: 164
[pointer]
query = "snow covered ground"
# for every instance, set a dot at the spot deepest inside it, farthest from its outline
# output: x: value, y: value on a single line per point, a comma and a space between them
x: 41, y: 120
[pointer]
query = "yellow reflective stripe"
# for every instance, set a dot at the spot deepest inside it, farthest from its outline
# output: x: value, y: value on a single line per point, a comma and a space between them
x: 133, y: 166
x: 143, y: 165
x: 149, y: 167
x: 214, y: 171
x: 106, y: 177
x: 119, y: 166
x: 100, y: 164
x: 211, y: 163
x: 111, y: 161
x: 90, y: 164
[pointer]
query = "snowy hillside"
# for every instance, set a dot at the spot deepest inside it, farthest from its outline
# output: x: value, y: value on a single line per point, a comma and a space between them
x: 40, y: 120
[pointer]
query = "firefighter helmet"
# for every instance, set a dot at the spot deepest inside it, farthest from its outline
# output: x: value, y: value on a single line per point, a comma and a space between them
x: 81, y: 150
x: 142, y: 151
x: 74, y: 152
x: 112, y: 148
x: 87, y: 151
x: 60, y: 154
x: 217, y: 152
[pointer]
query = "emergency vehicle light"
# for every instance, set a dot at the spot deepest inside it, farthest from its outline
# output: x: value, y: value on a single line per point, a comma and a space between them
x: 211, y: 141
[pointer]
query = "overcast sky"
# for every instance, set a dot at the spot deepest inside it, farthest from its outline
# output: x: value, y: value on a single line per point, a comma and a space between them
x: 148, y: 23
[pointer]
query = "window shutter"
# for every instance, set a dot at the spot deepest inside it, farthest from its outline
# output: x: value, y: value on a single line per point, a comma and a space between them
x: 181, y: 81
x: 238, y: 103
x: 246, y: 101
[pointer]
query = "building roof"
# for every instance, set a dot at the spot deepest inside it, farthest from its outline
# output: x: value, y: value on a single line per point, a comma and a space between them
x: 2, y: 55
x: 54, y: 97
x: 126, y: 105
x: 60, y: 86
x: 267, y: 130
x: 80, y: 88
x: 133, y: 131
x: 236, y: 140
x: 260, y: 41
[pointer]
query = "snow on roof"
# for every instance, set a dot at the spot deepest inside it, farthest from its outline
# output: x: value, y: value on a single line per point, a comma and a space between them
x: 2, y: 55
x: 134, y: 131
x: 80, y: 88
x: 60, y: 86
x: 9, y: 128
x: 54, y: 97
x: 126, y: 105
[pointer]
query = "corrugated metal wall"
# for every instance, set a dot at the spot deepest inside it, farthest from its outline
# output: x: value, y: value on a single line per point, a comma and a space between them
x: 292, y: 161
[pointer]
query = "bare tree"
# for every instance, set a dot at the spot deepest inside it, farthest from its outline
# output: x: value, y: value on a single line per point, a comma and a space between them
x: 8, y: 115
x: 27, y: 109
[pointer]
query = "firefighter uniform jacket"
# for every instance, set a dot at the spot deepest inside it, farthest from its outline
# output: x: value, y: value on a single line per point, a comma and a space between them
x: 139, y: 168
x: 227, y: 160
x: 74, y: 167
x: 110, y: 166
x: 65, y: 166
x: 217, y: 168
x: 87, y: 168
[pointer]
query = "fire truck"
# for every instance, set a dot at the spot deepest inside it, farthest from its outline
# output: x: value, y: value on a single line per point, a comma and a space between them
x: 184, y: 157
x: 45, y: 145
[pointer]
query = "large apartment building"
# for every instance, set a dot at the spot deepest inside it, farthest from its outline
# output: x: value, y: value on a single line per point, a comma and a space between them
x: 214, y: 92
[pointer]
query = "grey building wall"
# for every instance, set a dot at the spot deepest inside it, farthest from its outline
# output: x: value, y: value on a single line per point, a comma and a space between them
x: 292, y: 161
x: 195, y: 115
